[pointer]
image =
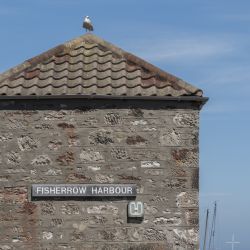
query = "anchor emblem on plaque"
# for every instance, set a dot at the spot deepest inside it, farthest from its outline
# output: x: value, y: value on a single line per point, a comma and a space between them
x: 135, y: 209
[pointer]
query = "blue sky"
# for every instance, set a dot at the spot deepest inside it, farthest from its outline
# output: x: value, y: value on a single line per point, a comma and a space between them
x: 207, y: 43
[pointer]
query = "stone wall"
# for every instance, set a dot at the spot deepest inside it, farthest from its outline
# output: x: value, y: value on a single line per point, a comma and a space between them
x: 152, y: 144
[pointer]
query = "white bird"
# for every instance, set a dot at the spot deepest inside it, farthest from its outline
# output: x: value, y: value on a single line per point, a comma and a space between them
x: 87, y: 24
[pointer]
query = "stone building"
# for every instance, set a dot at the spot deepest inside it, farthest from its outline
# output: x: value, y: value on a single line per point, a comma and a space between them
x: 87, y: 112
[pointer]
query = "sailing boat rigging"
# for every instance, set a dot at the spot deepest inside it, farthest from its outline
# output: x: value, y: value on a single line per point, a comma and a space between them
x: 211, y: 244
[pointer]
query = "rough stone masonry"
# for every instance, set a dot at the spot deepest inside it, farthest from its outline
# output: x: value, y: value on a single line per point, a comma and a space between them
x: 88, y: 113
x: 152, y: 146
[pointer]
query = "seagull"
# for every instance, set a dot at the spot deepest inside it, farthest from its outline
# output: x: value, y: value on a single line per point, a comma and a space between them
x: 87, y: 24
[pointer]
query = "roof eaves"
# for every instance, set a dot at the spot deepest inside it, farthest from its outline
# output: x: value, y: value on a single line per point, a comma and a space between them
x: 152, y: 98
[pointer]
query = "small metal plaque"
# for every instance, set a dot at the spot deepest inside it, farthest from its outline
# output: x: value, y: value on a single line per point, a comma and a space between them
x: 135, y: 209
x: 83, y: 190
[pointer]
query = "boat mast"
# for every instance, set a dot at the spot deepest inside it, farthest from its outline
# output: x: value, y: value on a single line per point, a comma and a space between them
x: 205, y: 236
x: 212, y: 233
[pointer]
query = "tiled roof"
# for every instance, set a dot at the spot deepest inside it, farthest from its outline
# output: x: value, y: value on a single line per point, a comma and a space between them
x: 91, y: 66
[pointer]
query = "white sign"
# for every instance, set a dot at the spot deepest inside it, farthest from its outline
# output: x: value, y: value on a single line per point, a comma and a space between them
x: 135, y: 209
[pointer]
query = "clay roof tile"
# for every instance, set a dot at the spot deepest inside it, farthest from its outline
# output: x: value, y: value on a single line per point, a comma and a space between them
x: 88, y: 65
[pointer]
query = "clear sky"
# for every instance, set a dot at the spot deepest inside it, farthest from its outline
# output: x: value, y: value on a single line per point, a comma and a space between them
x: 204, y: 42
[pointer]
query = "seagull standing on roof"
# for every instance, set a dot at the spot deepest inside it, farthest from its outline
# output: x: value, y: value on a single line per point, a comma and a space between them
x: 87, y: 24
